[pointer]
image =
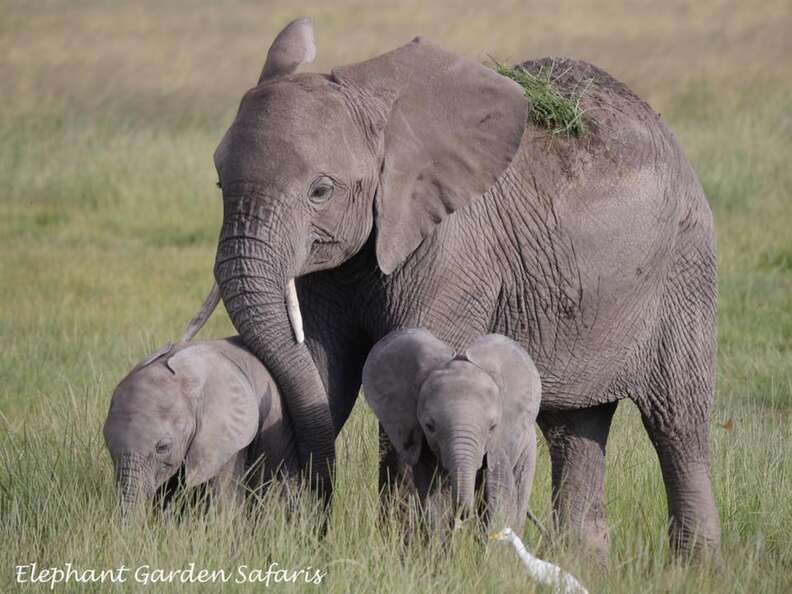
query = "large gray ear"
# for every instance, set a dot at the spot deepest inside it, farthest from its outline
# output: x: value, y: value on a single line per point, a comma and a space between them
x: 392, y: 377
x: 292, y: 47
x: 517, y: 377
x: 451, y: 127
x: 227, y: 410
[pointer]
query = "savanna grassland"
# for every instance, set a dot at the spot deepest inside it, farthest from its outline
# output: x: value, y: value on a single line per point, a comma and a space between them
x: 109, y: 114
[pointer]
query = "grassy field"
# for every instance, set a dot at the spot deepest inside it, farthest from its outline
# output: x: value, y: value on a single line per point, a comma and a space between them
x: 109, y: 115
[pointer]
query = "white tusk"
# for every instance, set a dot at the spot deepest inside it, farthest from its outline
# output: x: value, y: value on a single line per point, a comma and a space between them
x: 293, y: 309
x: 542, y: 571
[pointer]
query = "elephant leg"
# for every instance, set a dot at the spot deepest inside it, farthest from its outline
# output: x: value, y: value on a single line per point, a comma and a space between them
x: 675, y: 412
x: 393, y: 474
x: 577, y: 440
x: 397, y: 479
x: 524, y: 474
x: 694, y: 525
x: 228, y: 486
x: 676, y: 402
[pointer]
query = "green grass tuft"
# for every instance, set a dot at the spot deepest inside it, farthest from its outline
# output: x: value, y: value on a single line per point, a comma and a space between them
x: 551, y: 107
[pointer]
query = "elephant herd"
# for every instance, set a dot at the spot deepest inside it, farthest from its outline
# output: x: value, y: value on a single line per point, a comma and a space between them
x: 400, y: 224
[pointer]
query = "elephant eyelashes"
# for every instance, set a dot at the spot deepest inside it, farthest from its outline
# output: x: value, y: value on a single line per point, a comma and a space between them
x: 321, y: 190
x: 430, y: 427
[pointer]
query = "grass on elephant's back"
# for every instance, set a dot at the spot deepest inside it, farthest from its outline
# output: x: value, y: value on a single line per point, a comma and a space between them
x: 550, y: 106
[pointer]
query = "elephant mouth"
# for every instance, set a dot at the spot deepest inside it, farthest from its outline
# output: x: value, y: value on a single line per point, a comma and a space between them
x: 168, y: 490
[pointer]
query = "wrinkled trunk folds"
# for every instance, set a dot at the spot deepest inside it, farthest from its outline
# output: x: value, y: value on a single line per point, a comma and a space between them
x: 132, y: 482
x: 462, y: 472
x: 253, y: 267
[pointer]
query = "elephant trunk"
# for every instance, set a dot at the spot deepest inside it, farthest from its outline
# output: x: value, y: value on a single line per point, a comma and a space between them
x: 465, y: 462
x: 255, y: 269
x: 132, y: 481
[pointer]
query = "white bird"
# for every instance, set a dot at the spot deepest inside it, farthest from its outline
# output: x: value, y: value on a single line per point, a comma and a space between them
x: 543, y: 572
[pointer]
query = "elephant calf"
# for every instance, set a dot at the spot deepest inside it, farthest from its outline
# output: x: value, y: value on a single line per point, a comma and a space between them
x: 210, y: 407
x: 476, y: 409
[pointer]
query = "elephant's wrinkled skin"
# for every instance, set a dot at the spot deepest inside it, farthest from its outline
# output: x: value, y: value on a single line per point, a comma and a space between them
x: 209, y: 407
x: 475, y: 410
x: 409, y: 191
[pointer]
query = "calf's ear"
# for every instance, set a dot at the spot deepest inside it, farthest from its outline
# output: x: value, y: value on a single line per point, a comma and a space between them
x: 226, y: 410
x: 518, y: 381
x: 392, y: 377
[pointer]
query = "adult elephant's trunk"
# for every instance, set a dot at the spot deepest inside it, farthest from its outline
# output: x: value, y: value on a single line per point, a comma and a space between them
x: 132, y: 481
x: 255, y: 268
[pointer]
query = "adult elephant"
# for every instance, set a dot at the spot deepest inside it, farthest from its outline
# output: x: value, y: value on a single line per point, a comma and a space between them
x: 410, y: 190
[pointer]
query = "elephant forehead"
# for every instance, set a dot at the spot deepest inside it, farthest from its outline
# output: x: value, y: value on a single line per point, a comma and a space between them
x: 138, y: 421
x: 457, y: 379
x: 153, y: 390
x: 294, y: 126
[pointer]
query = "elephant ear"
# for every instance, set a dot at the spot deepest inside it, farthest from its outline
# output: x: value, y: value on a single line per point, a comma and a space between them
x: 292, y: 47
x: 451, y: 127
x: 227, y: 410
x: 518, y: 379
x: 392, y: 377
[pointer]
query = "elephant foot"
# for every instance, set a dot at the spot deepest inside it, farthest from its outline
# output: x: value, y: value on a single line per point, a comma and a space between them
x: 587, y: 534
x: 694, y: 524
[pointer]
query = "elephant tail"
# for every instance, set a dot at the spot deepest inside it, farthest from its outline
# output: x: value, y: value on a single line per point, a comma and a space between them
x: 208, y: 307
x: 537, y: 523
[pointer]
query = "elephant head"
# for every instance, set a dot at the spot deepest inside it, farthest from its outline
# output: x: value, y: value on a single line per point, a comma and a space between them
x: 181, y: 410
x: 482, y: 402
x: 315, y: 164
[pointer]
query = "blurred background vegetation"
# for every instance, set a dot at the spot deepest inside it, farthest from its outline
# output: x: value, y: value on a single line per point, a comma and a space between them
x: 109, y: 114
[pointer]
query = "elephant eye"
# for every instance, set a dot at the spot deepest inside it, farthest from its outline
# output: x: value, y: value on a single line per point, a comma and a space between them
x: 163, y: 447
x: 429, y: 426
x: 493, y: 426
x: 321, y: 189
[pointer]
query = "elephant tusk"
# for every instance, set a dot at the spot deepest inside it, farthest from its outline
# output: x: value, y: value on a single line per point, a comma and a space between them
x: 293, y: 310
x: 208, y: 307
x: 543, y: 572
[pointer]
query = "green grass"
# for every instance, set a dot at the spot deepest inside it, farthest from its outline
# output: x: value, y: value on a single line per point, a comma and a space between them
x: 108, y: 222
x: 550, y: 107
